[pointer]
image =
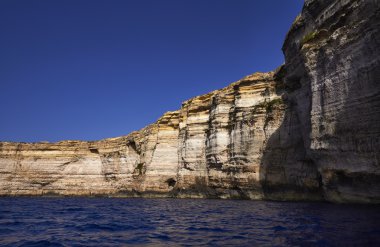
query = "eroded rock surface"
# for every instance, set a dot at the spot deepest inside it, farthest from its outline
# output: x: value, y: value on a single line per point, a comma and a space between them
x: 333, y: 79
x: 308, y: 131
x: 211, y: 147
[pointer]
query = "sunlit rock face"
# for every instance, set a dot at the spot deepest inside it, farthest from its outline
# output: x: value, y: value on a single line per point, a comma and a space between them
x: 307, y: 131
x: 211, y: 147
x: 222, y: 136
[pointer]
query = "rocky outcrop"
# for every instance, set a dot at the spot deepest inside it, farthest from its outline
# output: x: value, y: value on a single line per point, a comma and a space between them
x: 308, y: 131
x: 211, y: 147
x: 333, y: 74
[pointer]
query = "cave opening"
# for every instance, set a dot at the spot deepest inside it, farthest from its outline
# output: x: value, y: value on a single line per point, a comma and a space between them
x: 133, y: 145
x: 171, y: 182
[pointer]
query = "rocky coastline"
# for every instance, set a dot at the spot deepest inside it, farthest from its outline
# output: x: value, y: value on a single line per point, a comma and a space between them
x: 307, y: 131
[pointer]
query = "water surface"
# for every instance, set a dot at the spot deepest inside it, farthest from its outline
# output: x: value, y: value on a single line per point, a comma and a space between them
x: 184, y: 222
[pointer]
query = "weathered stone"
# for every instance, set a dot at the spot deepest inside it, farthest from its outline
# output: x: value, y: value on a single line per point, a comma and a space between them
x: 332, y: 54
x: 212, y: 147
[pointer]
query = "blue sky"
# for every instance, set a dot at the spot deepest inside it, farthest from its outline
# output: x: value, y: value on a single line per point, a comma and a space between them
x: 91, y: 69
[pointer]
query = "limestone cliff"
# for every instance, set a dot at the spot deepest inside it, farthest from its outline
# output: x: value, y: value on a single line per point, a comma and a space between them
x: 211, y: 147
x: 332, y: 77
x: 308, y: 131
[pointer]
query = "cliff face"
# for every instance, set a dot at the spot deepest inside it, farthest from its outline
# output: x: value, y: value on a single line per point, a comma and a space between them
x: 308, y: 131
x: 333, y: 74
x: 211, y: 147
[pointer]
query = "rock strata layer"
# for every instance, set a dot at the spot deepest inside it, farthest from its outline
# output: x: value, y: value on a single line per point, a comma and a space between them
x: 333, y: 78
x: 211, y: 147
x: 307, y: 131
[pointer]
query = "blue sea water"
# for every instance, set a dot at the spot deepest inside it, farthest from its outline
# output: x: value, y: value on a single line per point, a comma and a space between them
x: 35, y: 221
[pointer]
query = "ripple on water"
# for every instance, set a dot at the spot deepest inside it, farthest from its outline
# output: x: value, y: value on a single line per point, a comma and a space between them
x: 187, y: 222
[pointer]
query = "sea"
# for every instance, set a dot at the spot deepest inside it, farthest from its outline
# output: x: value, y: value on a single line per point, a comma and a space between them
x: 40, y: 221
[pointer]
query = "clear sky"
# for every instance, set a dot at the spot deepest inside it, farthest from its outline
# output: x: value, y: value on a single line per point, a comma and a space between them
x: 91, y: 69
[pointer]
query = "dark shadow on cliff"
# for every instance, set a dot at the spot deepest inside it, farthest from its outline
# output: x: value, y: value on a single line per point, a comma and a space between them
x: 342, y: 163
x: 286, y: 170
x: 351, y: 167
